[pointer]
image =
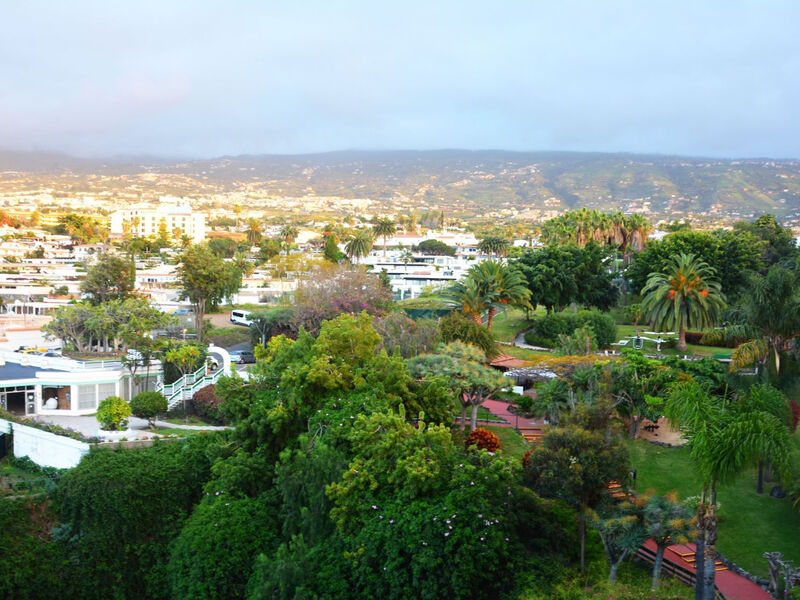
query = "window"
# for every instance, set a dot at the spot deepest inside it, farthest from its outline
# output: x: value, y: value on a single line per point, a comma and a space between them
x: 104, y: 390
x: 87, y: 396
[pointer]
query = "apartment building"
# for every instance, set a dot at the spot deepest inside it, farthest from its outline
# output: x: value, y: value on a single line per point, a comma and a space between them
x: 145, y: 220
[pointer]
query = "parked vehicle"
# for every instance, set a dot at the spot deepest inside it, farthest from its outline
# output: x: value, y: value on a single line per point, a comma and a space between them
x: 243, y: 357
x: 241, y: 317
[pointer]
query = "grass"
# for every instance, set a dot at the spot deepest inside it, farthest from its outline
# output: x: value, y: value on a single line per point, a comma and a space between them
x: 507, y: 325
x: 182, y: 421
x: 523, y: 353
x: 228, y: 336
x: 513, y: 444
x: 623, y: 331
x: 750, y: 523
x: 179, y: 432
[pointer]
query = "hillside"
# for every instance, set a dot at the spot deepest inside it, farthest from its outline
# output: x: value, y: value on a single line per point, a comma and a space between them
x: 522, y: 184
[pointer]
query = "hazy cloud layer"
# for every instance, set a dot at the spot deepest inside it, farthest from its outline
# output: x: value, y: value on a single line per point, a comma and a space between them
x: 208, y: 78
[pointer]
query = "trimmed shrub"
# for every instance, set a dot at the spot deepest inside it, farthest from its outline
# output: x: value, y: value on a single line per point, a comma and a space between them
x: 546, y: 330
x: 206, y: 405
x: 113, y: 413
x: 148, y: 405
x: 457, y: 327
x: 483, y: 439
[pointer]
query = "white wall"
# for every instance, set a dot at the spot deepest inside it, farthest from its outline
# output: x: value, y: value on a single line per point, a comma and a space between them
x: 44, y: 448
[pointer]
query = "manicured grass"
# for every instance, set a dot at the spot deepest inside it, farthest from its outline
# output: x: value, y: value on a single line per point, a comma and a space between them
x: 523, y: 353
x: 183, y: 421
x: 179, y: 432
x: 507, y: 325
x: 750, y: 523
x: 623, y: 331
x: 513, y: 444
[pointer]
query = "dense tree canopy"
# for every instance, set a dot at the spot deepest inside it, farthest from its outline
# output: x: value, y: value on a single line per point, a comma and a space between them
x: 560, y: 275
x: 110, y: 277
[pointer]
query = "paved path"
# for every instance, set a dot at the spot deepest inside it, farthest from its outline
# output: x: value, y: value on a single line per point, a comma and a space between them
x: 732, y: 586
x: 89, y: 426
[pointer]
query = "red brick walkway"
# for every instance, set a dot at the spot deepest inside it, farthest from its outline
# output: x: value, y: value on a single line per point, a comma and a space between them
x: 731, y: 585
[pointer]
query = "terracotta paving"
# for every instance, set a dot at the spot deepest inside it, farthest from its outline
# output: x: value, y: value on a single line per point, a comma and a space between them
x: 731, y: 585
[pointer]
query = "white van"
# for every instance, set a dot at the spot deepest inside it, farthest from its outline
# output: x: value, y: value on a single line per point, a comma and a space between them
x: 241, y: 317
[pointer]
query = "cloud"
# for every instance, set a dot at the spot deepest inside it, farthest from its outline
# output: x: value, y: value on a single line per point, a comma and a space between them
x: 205, y: 78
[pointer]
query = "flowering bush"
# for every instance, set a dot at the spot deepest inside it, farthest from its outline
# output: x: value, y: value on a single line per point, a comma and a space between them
x: 207, y: 405
x: 527, y: 458
x: 484, y: 440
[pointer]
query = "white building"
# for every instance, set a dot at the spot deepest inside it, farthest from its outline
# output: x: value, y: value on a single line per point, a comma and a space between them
x: 143, y: 220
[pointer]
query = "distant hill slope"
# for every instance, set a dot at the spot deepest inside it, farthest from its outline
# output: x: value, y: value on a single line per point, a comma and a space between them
x: 531, y: 183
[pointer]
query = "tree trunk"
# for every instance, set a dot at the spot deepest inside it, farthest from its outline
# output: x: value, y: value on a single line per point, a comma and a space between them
x: 633, y: 430
x: 492, y: 313
x: 474, y: 418
x: 760, y: 486
x: 710, y: 550
x: 477, y: 318
x: 700, y: 547
x: 682, y: 337
x: 582, y: 536
x: 612, y: 574
x: 657, y: 565
x: 463, y: 415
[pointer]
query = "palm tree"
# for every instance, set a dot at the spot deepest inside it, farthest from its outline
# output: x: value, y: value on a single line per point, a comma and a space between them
x: 493, y: 244
x: 253, y: 231
x: 725, y: 440
x: 488, y: 286
x: 358, y: 244
x: 406, y: 257
x: 385, y: 228
x: 685, y: 295
x: 638, y: 228
x: 468, y: 298
x: 765, y: 321
x: 288, y: 233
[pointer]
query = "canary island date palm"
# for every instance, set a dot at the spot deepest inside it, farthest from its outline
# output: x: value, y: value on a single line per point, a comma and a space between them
x: 489, y: 286
x: 686, y: 294
x: 725, y: 439
x: 764, y: 322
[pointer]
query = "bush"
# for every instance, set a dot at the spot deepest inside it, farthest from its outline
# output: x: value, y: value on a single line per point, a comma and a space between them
x: 457, y: 327
x: 113, y: 413
x: 410, y: 337
x: 483, y: 439
x: 207, y: 405
x: 602, y: 324
x: 547, y: 329
x: 148, y: 405
x: 580, y: 342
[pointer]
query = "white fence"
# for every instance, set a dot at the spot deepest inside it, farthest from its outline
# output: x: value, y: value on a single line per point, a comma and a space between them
x: 44, y: 448
x: 186, y: 386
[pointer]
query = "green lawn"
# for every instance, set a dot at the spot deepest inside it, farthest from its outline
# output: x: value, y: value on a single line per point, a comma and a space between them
x: 513, y: 443
x: 183, y: 421
x: 750, y: 524
x: 623, y: 331
x: 507, y: 325
x: 523, y: 353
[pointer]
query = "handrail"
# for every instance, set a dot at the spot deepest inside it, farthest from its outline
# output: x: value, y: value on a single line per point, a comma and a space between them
x: 687, y: 576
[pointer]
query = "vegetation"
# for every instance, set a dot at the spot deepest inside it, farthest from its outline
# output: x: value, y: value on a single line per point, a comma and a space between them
x: 685, y: 295
x: 148, y: 405
x: 113, y: 413
x: 110, y: 277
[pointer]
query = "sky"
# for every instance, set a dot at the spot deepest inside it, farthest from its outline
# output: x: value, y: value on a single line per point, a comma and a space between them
x: 202, y: 79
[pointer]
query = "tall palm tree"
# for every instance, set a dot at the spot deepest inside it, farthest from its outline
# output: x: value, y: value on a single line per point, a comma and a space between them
x: 725, y: 440
x: 384, y: 228
x: 358, y: 244
x: 638, y: 228
x: 686, y: 294
x: 765, y: 321
x: 288, y: 233
x: 406, y: 257
x: 253, y: 231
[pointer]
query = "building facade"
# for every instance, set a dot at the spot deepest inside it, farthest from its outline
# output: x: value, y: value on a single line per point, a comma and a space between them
x: 147, y: 221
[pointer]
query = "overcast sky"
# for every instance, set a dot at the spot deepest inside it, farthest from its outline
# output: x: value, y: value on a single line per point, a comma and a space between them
x: 201, y: 79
